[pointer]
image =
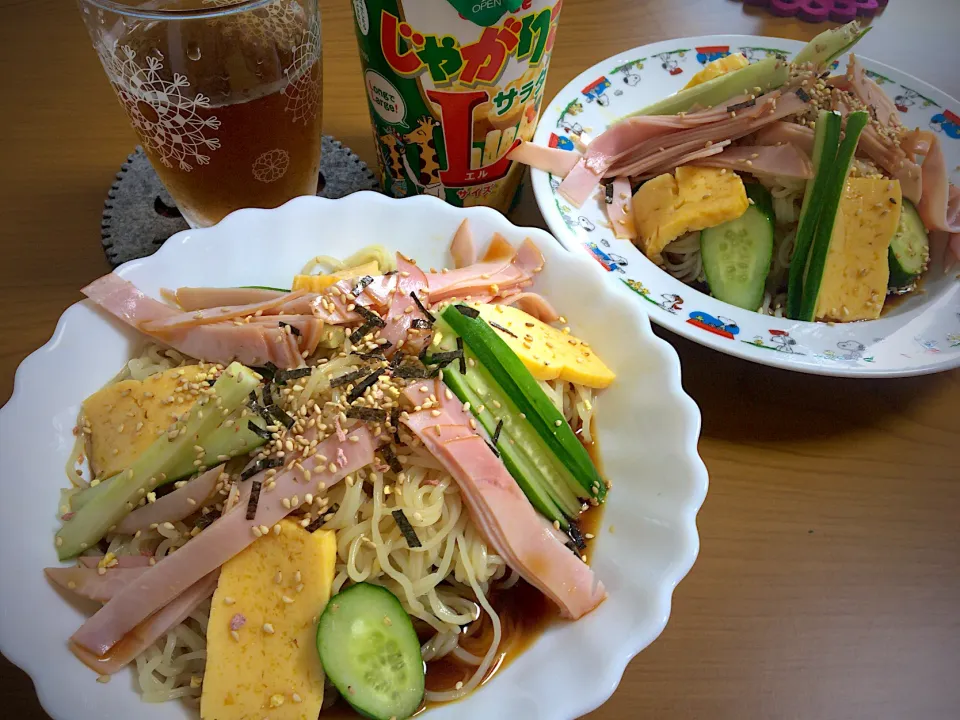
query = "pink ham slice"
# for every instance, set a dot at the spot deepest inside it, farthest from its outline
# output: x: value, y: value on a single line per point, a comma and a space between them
x: 201, y: 298
x: 123, y: 561
x: 462, y: 248
x: 220, y: 342
x: 150, y: 630
x: 499, y: 508
x: 763, y: 160
x: 179, y: 321
x: 784, y: 132
x: 552, y: 160
x: 871, y: 94
x: 87, y: 582
x: 403, y: 309
x: 698, y: 154
x: 223, y: 539
x: 620, y: 209
x: 532, y: 304
x: 173, y: 507
x: 479, y: 279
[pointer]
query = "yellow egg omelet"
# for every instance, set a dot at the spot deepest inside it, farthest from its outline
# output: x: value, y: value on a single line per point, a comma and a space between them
x: 262, y: 659
x: 720, y: 66
x: 857, y: 271
x: 548, y: 353
x: 126, y: 417
x: 319, y: 283
x: 668, y: 206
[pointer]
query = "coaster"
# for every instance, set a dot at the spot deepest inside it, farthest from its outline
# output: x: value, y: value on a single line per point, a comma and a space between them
x: 139, y: 214
x: 841, y: 11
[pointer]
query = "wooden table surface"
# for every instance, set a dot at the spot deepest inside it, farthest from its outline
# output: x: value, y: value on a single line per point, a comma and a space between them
x: 828, y: 583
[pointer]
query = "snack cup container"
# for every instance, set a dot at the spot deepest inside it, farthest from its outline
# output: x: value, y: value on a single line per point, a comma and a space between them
x: 453, y: 87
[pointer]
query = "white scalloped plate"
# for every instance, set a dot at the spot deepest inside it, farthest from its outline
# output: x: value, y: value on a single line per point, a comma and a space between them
x: 920, y: 335
x: 648, y: 431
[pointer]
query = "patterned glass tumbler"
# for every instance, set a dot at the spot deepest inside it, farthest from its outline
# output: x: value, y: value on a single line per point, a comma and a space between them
x: 225, y: 95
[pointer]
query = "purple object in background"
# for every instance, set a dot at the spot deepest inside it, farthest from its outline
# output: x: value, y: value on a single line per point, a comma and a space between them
x: 815, y: 11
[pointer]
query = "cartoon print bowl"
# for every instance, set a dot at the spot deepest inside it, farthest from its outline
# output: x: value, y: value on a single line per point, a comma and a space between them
x: 920, y: 334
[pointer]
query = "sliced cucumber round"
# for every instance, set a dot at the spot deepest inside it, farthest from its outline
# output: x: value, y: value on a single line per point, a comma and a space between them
x: 909, y: 251
x: 370, y: 651
x: 736, y: 254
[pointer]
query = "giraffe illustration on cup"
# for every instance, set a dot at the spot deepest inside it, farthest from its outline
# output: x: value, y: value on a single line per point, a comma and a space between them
x: 429, y: 176
x: 396, y: 164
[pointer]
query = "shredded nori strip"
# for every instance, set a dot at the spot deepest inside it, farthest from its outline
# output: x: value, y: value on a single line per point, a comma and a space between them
x: 409, y: 534
x: 321, y: 519
x: 262, y: 411
x: 396, y: 360
x: 254, y: 499
x: 389, y: 273
x: 370, y: 316
x: 608, y: 193
x: 281, y: 417
x: 420, y: 324
x: 361, y: 332
x: 470, y: 312
x: 493, y: 448
x: 366, y: 413
x: 259, y: 466
x: 346, y: 378
x: 501, y: 328
x: 802, y: 94
x: 361, y: 284
x: 361, y: 386
x: 294, y: 330
x: 395, y: 422
x: 463, y: 357
x: 259, y: 431
x: 411, y: 372
x: 741, y: 105
x: 443, y: 357
x: 496, y: 432
x: 576, y: 537
x: 268, y: 369
x: 426, y: 313
x: 206, y: 520
x: 825, y: 75
x: 391, y: 457
x: 285, y: 376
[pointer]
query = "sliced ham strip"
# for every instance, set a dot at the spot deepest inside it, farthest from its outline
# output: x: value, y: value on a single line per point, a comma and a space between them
x: 620, y: 209
x: 310, y: 327
x: 462, y: 248
x: 499, y: 508
x: 410, y: 279
x: 223, y: 539
x: 87, y: 582
x: 532, y: 304
x: 694, y: 157
x: 552, y: 160
x: 763, y: 160
x: 150, y: 630
x: 201, y: 298
x: 580, y: 182
x: 180, y: 321
x: 173, y: 507
x: 939, y: 205
x: 221, y: 342
x: 867, y: 91
x: 123, y: 561
x: 784, y: 132
x: 481, y: 278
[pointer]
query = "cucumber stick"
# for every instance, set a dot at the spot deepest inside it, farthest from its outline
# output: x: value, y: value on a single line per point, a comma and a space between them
x: 513, y: 378
x: 370, y: 652
x: 93, y: 520
x: 736, y: 254
x: 548, y: 485
x: 836, y: 179
x: 830, y: 44
x: 231, y: 441
x: 826, y: 142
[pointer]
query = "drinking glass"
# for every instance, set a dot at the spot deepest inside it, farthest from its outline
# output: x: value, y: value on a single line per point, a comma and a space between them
x: 225, y: 95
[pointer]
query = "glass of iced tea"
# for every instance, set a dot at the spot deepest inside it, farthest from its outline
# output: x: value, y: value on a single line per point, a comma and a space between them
x: 226, y: 95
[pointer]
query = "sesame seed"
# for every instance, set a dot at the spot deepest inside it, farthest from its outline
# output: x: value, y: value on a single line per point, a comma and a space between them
x: 256, y: 531
x: 296, y: 698
x: 459, y: 684
x: 278, y: 578
x: 103, y: 679
x: 235, y: 635
x: 299, y: 588
x: 228, y: 600
x: 268, y: 629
